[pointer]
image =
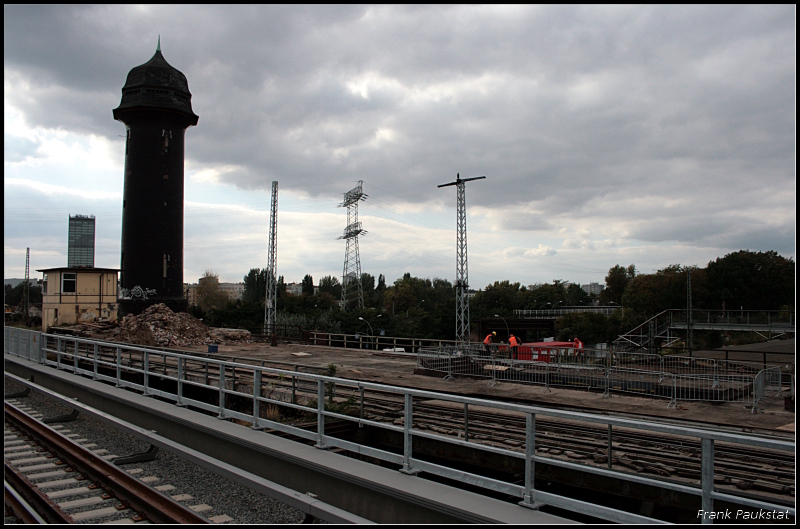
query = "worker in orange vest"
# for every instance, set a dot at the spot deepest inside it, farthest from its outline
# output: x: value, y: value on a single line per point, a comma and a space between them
x: 487, y: 342
x: 512, y: 341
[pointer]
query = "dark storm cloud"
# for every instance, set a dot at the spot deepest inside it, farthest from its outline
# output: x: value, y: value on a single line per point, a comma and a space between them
x: 561, y: 106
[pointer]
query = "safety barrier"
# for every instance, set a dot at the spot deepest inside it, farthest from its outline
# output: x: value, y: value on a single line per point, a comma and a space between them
x: 25, y: 343
x: 375, y: 343
x: 677, y: 378
x: 167, y: 375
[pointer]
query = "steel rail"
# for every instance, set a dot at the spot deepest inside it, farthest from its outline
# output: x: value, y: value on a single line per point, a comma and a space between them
x: 29, y: 503
x: 580, y: 439
x: 137, y: 495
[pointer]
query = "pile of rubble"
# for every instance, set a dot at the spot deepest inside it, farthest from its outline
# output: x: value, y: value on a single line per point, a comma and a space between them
x: 159, y: 326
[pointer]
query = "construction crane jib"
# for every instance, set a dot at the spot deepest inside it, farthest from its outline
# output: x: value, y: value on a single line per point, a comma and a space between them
x: 462, y: 273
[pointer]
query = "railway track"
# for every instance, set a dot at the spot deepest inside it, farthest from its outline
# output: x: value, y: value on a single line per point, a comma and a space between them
x: 65, y: 482
x: 761, y: 473
x: 766, y: 473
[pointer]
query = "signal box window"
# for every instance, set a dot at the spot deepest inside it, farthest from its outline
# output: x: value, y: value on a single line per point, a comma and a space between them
x: 69, y: 282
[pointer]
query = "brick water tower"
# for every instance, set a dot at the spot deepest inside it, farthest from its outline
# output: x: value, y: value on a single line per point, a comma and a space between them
x: 156, y: 109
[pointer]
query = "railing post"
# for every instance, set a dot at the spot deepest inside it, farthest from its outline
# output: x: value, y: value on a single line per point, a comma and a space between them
x: 146, y: 367
x: 609, y: 447
x: 407, y: 437
x: 707, y: 477
x: 40, y: 350
x: 256, y: 395
x: 75, y: 359
x: 361, y: 406
x: 181, y: 368
x: 493, y: 382
x: 466, y: 422
x: 221, y: 414
x: 94, y: 372
x: 320, y: 414
x: 119, y: 367
x: 294, y: 386
x: 529, y: 497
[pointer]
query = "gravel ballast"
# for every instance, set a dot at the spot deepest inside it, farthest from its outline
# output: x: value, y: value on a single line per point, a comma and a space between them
x: 225, y: 497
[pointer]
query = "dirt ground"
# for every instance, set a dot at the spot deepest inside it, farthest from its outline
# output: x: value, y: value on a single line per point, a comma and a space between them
x: 398, y: 370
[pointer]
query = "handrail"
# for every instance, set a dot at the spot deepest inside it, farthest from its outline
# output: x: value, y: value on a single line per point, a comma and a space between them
x: 69, y: 352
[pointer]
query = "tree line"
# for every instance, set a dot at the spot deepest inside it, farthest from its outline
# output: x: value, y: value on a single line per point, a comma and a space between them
x: 425, y: 308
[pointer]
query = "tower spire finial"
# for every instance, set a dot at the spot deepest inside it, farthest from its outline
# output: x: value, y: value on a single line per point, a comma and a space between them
x: 159, y: 43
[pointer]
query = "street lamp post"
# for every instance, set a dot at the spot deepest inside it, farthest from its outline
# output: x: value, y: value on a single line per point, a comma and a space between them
x: 508, y: 333
x: 370, y: 326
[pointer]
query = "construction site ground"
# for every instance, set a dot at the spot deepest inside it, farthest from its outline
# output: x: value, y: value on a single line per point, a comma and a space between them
x: 398, y: 370
x: 158, y: 326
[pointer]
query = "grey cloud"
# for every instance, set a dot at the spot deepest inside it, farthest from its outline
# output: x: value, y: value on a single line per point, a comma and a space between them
x: 17, y: 149
x: 578, y: 102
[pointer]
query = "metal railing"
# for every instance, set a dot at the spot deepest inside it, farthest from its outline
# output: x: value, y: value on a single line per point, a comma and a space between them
x: 677, y: 378
x: 659, y: 327
x: 557, y: 313
x: 375, y: 343
x: 146, y: 370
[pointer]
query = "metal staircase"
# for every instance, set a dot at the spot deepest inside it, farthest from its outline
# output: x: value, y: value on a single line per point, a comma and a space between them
x: 653, y: 332
x: 660, y: 330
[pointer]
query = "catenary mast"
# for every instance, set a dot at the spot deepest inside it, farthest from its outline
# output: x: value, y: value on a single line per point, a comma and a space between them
x: 462, y: 272
x: 352, y: 289
x: 270, y: 307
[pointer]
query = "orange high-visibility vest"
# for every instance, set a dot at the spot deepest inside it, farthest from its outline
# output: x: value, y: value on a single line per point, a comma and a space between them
x: 488, y: 340
x: 513, y: 341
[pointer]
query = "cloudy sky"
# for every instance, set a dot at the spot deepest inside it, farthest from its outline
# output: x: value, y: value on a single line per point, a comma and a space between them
x: 608, y: 135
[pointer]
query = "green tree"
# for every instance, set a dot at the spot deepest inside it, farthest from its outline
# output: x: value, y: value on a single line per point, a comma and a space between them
x: 576, y: 296
x: 752, y: 280
x: 14, y: 295
x: 406, y: 293
x: 308, y: 285
x: 255, y: 286
x: 616, y: 281
x: 209, y: 294
x: 542, y: 296
x: 501, y: 297
x: 588, y: 327
x: 330, y: 285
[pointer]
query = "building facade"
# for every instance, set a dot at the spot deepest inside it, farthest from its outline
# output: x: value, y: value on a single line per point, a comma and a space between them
x: 80, y: 241
x: 235, y: 291
x: 593, y: 289
x: 75, y: 295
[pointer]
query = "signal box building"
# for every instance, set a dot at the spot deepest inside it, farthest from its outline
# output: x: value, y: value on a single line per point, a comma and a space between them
x: 75, y: 295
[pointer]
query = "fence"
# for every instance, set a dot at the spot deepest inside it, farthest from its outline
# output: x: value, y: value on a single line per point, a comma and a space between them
x: 668, y: 376
x: 377, y: 343
x: 147, y: 371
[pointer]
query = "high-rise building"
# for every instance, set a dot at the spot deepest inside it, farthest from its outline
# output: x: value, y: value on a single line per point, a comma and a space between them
x: 156, y: 109
x: 80, y: 243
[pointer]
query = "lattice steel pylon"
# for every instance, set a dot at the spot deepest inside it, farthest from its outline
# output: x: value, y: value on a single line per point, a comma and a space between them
x: 271, y: 274
x: 352, y: 289
x: 462, y: 272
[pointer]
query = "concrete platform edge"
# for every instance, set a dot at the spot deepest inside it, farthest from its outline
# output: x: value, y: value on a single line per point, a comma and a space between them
x: 369, y: 491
